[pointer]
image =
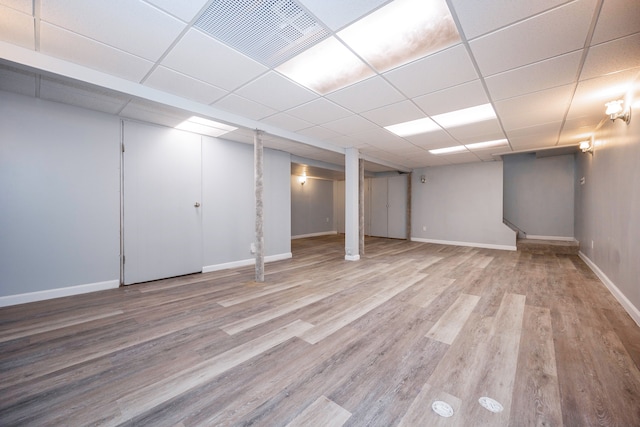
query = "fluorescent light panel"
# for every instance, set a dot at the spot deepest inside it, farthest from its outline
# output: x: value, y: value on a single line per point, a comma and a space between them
x: 401, y: 32
x: 487, y: 144
x: 413, y: 127
x: 449, y: 150
x: 474, y: 146
x: 205, y: 126
x: 326, y: 67
x: 465, y: 116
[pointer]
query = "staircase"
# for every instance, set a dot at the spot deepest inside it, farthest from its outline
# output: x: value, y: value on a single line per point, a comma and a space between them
x: 538, y: 246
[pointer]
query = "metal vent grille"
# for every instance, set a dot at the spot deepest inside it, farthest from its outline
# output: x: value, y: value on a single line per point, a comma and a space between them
x: 269, y: 31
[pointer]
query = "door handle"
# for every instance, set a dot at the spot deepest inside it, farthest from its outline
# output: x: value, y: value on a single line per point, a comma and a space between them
x: 197, y: 204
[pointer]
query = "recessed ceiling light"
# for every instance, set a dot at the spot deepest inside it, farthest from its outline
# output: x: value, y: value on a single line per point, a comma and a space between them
x: 413, y: 127
x: 402, y: 31
x: 449, y: 150
x: 326, y: 67
x: 205, y: 126
x: 487, y: 144
x: 465, y: 116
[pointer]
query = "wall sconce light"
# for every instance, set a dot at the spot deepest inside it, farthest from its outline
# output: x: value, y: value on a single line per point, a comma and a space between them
x: 423, y: 179
x: 586, y: 147
x: 302, y: 179
x: 615, y: 110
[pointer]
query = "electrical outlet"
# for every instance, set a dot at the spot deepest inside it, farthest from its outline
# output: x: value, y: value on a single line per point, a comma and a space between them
x: 592, y: 244
x: 424, y: 228
x: 327, y: 220
x: 252, y: 248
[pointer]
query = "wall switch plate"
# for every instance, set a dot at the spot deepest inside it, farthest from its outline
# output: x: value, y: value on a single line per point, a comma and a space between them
x: 424, y: 228
x: 252, y: 248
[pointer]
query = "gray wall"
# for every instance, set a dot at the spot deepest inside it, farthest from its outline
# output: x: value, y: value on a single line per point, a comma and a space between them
x: 59, y: 196
x: 538, y: 194
x: 312, y: 206
x: 608, y: 206
x: 461, y: 204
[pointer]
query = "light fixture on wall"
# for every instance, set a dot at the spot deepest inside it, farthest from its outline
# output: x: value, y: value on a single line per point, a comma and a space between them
x: 586, y: 146
x: 615, y: 110
x: 423, y: 179
x: 302, y: 179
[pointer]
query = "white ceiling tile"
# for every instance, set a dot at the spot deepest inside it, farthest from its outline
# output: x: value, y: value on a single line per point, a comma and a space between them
x: 431, y: 140
x: 24, y: 6
x: 319, y: 132
x: 480, y: 17
x: 535, y: 136
x: 366, y: 95
x: 82, y: 96
x: 553, y: 33
x: 591, y: 95
x: 458, y: 158
x: 17, y: 81
x: 454, y: 98
x: 200, y: 56
x: 541, y: 75
x: 395, y: 113
x: 244, y: 107
x: 276, y: 91
x: 173, y: 82
x: 351, y: 125
x: 344, y: 141
x: 286, y: 121
x: 58, y: 42
x: 534, y: 109
x: 185, y: 10
x: 17, y: 28
x: 487, y: 130
x: 338, y: 13
x: 132, y: 26
x: 444, y: 69
x: 319, y: 111
x: 617, y: 18
x: 606, y: 58
x: 378, y: 137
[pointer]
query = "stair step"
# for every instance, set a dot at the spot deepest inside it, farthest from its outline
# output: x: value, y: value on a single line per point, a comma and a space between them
x: 548, y: 246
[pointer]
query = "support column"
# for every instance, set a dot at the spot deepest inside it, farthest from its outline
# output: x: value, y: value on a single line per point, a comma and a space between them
x: 351, y: 211
x: 361, y: 205
x: 259, y: 190
x: 409, y: 183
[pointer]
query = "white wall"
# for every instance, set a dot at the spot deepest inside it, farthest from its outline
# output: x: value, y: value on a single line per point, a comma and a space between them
x: 60, y: 201
x: 608, y: 209
x: 460, y: 204
x: 312, y: 207
x: 59, y: 196
x: 539, y: 193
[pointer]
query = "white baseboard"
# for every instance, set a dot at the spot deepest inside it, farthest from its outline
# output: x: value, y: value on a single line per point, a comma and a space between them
x: 244, y: 262
x: 57, y: 293
x: 322, y: 233
x: 559, y: 238
x: 471, y: 244
x: 622, y: 299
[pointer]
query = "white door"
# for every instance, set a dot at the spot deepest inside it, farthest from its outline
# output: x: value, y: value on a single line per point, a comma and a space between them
x: 161, y: 203
x: 397, y: 207
x: 379, y: 207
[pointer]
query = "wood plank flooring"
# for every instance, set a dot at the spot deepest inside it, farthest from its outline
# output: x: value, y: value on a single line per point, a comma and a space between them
x: 326, y: 342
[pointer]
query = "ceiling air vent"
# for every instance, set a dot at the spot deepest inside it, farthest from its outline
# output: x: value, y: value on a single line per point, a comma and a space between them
x: 269, y: 31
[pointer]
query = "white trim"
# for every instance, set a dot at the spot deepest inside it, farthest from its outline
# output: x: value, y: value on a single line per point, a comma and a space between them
x: 244, y: 262
x: 617, y: 293
x: 322, y: 233
x: 471, y: 244
x: 559, y: 238
x: 57, y: 293
x: 352, y: 257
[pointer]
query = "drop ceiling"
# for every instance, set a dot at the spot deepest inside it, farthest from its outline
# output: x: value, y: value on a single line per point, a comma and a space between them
x: 546, y: 67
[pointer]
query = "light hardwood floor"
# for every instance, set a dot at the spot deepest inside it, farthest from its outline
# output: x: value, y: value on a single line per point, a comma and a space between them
x: 328, y: 342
